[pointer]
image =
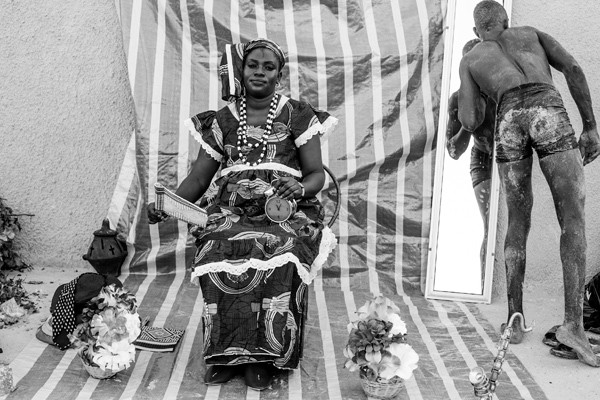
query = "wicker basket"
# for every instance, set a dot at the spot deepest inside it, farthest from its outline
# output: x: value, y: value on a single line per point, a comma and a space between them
x: 97, y: 372
x: 381, y: 388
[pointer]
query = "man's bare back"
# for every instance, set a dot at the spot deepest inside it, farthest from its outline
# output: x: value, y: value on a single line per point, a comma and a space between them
x: 516, y: 57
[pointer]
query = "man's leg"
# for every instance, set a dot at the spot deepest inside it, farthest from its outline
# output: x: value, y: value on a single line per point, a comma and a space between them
x: 515, y: 177
x: 482, y: 195
x: 564, y: 174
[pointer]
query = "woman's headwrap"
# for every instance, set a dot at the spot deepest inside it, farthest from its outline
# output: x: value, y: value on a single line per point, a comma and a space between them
x: 232, y: 65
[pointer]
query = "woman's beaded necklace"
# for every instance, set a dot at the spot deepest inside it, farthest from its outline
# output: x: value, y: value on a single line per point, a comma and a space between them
x: 242, y: 131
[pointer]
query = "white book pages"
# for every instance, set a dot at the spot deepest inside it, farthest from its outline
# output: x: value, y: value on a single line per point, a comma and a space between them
x: 178, y: 207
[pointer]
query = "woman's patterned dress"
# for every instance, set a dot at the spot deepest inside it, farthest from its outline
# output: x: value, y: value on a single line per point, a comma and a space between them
x: 253, y: 272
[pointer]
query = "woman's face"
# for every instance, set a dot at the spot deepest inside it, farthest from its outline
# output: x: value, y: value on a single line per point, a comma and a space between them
x: 261, y: 73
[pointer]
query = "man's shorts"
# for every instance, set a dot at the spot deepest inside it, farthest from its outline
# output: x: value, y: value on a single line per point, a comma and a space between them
x: 532, y: 116
x: 481, y: 166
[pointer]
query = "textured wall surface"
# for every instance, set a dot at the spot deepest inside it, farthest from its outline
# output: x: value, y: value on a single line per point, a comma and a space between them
x: 66, y: 115
x: 575, y: 25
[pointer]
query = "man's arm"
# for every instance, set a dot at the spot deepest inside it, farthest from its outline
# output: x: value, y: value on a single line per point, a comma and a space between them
x: 563, y: 61
x: 457, y: 139
x: 471, y: 106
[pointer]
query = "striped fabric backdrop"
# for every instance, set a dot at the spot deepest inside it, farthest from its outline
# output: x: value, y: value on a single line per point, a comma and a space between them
x: 374, y: 64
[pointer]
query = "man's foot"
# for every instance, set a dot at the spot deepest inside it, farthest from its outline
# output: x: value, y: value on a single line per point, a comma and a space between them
x: 517, y: 333
x: 259, y: 376
x: 219, y: 374
x: 576, y: 339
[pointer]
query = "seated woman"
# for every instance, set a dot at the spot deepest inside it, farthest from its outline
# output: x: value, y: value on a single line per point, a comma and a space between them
x: 253, y: 271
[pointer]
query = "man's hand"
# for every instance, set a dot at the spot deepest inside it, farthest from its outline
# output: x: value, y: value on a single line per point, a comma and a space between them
x: 458, y: 144
x: 589, y: 145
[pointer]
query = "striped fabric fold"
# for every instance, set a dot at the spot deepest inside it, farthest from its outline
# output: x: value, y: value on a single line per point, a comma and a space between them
x: 376, y: 66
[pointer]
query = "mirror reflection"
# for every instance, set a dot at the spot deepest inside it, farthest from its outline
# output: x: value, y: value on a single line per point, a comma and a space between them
x: 466, y: 187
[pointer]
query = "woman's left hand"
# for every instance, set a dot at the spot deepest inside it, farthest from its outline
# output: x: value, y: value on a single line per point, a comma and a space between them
x: 288, y: 188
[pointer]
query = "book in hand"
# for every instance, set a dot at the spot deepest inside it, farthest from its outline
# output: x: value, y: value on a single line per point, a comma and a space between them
x: 178, y: 207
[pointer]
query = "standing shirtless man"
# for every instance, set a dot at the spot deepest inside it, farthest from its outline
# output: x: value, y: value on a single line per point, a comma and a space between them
x: 512, y: 66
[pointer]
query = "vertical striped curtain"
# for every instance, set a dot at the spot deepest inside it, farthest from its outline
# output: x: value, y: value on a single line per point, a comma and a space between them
x: 375, y: 65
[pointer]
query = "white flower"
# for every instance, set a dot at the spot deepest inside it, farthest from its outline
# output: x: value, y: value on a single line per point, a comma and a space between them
x: 400, y: 360
x: 132, y: 324
x: 348, y: 353
x: 399, y: 325
x: 351, y: 326
x: 116, y: 356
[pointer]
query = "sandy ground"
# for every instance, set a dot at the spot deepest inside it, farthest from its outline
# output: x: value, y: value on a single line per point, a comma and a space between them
x: 559, y: 378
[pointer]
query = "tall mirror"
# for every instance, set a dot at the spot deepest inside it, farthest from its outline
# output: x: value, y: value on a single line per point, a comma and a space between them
x: 460, y: 261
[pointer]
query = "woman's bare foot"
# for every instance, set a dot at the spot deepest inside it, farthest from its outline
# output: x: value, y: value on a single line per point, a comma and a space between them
x: 577, y: 340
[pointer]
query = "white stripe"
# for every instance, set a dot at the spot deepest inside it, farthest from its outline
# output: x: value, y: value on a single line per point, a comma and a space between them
x: 456, y: 338
x: 88, y: 389
x: 405, y: 132
x: 26, y: 359
x: 252, y: 394
x: 432, y: 350
x: 153, y: 148
x: 261, y: 25
x: 295, y: 376
x: 321, y: 72
x: 493, y: 348
x: 185, y: 351
x: 350, y: 144
x: 290, y: 35
x: 372, y: 184
x: 212, y: 392
x: 230, y: 76
x: 333, y: 382
x: 234, y: 27
x: 350, y: 305
x: 134, y: 41
x: 213, y: 73
x: 458, y: 342
x: 121, y: 192
x: 141, y: 364
x: 46, y: 390
x: 430, y: 128
x: 131, y: 237
x: 295, y: 383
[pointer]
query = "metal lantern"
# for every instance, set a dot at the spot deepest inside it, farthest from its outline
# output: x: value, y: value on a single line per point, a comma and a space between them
x: 107, y: 252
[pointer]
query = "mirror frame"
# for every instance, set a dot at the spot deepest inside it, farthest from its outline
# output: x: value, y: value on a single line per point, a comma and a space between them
x: 430, y: 292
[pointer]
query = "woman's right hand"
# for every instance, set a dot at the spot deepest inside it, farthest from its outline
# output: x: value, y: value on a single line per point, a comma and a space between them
x: 155, y: 215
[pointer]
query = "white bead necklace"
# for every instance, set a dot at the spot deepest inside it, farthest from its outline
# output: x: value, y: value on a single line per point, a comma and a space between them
x: 242, y: 131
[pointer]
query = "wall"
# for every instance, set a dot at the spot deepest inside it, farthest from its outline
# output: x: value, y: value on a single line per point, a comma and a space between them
x: 66, y: 116
x: 575, y: 25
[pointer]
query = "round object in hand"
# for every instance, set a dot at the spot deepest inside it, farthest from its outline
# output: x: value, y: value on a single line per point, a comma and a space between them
x: 278, y: 209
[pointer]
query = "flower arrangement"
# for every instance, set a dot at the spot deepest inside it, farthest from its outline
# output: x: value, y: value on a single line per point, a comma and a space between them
x: 110, y: 325
x: 377, y: 343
